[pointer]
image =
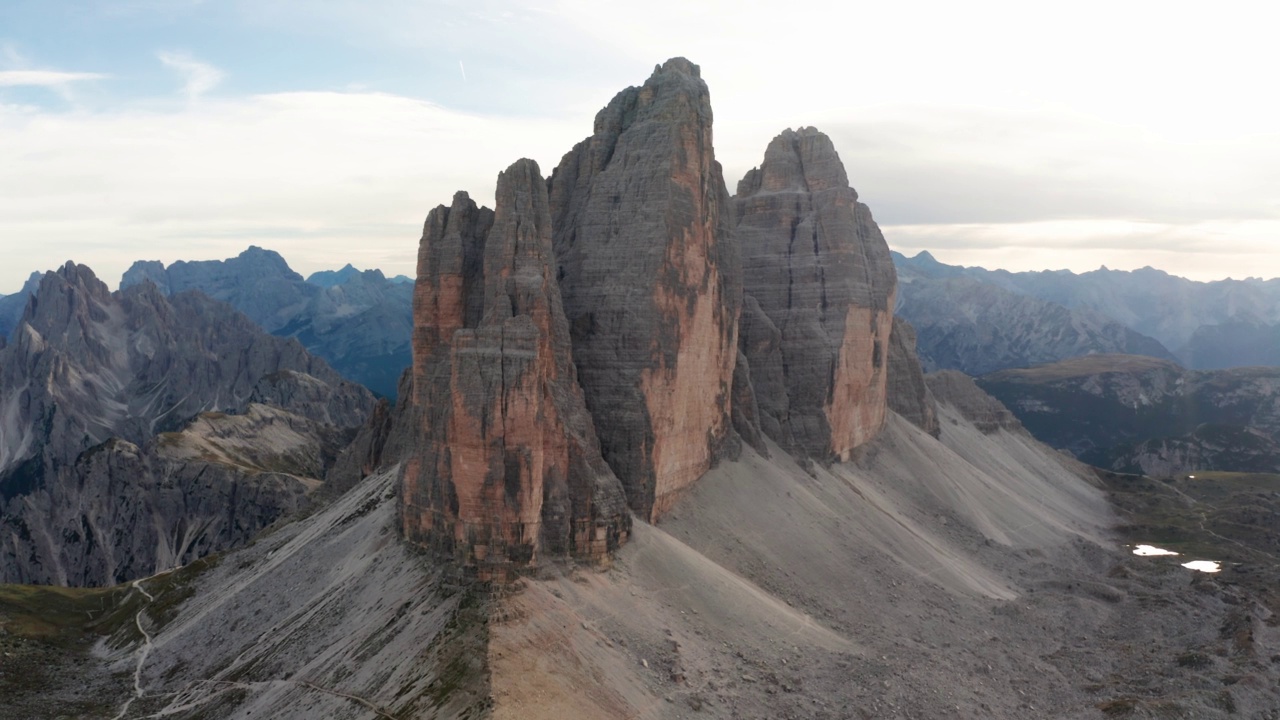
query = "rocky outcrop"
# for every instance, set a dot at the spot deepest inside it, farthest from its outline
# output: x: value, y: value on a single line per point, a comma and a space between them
x: 310, y: 397
x: 820, y: 284
x: 908, y: 392
x: 507, y: 466
x: 360, y: 322
x: 651, y: 283
x: 92, y: 373
x: 124, y: 511
x: 950, y: 387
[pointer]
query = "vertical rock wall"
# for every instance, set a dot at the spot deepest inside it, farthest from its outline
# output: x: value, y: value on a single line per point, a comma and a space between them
x: 507, y: 464
x: 651, y: 283
x: 909, y: 394
x: 820, y: 287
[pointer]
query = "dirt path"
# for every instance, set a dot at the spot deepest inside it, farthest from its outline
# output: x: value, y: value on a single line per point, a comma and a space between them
x: 143, y: 652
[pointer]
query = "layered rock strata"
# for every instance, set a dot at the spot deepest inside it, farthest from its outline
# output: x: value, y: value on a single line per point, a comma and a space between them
x: 909, y: 393
x: 819, y: 284
x: 508, y: 465
x: 651, y: 282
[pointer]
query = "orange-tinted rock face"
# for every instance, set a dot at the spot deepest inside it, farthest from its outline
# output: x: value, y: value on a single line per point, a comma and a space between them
x: 651, y: 283
x: 507, y: 465
x: 819, y: 314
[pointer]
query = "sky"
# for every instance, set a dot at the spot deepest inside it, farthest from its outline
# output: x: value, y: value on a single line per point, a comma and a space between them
x: 1004, y: 134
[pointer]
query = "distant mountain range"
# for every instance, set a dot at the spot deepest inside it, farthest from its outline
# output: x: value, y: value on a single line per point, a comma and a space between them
x: 979, y: 320
x: 334, y: 278
x: 970, y: 319
x: 359, y: 321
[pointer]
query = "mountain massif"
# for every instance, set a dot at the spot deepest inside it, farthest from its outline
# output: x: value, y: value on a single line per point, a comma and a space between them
x: 1203, y: 325
x: 96, y: 393
x: 578, y: 350
x: 966, y: 323
x: 360, y: 322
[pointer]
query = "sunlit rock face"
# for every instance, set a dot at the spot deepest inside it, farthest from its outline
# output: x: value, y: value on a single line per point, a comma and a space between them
x: 819, y: 284
x: 651, y: 281
x: 507, y: 465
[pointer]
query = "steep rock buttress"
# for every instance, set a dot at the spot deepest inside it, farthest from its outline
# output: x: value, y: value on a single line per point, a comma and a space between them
x: 651, y: 281
x: 818, y: 312
x: 507, y: 465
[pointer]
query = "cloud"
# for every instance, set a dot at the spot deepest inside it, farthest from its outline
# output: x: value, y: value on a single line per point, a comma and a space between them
x: 199, y: 77
x: 44, y: 78
x: 322, y: 177
x: 1205, y: 250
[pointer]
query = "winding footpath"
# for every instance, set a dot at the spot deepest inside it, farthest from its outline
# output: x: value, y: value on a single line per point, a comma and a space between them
x: 143, y: 652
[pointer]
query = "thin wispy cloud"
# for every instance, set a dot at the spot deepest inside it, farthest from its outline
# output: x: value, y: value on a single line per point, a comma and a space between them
x: 199, y: 77
x: 44, y: 78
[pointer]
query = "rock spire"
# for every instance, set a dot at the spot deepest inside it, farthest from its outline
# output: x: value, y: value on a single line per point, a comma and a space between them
x: 651, y: 281
x: 820, y: 288
x: 508, y: 465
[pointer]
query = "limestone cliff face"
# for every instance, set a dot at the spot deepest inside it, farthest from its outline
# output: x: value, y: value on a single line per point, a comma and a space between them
x: 909, y: 393
x: 651, y: 283
x: 820, y: 288
x: 508, y: 465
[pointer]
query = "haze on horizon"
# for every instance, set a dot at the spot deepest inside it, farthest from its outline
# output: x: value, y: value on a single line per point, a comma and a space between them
x: 992, y: 133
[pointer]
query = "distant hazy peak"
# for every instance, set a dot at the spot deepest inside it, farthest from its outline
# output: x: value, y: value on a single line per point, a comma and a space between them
x: 331, y: 278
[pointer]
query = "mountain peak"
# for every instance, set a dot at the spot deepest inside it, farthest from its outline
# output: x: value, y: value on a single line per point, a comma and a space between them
x: 803, y: 160
x: 678, y: 65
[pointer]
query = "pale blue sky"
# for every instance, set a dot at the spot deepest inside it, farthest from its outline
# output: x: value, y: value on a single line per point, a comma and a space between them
x: 1009, y: 134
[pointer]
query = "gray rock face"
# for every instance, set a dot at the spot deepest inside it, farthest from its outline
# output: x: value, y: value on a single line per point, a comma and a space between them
x: 336, y: 403
x: 909, y: 393
x: 124, y: 511
x: 821, y: 284
x: 651, y: 282
x: 1137, y: 414
x: 358, y: 321
x: 506, y: 466
x: 958, y: 390
x: 976, y: 327
x: 90, y: 367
